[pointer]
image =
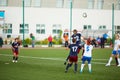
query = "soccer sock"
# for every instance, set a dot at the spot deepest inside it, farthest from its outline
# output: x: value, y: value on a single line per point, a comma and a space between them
x: 16, y: 58
x: 110, y: 60
x: 89, y: 67
x: 117, y: 60
x: 68, y: 65
x: 82, y: 66
x: 75, y: 67
x: 13, y: 57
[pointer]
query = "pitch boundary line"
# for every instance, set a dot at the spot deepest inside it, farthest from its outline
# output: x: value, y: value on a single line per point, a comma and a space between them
x: 55, y: 59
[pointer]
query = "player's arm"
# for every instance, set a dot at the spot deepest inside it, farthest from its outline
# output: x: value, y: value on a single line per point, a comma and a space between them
x: 13, y: 47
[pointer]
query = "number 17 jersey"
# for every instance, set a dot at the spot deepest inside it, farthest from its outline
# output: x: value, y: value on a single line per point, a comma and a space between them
x: 74, y: 49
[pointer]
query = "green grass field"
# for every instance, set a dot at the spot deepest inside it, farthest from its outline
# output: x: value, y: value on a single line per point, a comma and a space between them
x: 47, y: 64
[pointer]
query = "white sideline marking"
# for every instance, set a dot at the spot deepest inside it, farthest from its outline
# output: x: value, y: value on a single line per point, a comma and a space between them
x: 59, y: 59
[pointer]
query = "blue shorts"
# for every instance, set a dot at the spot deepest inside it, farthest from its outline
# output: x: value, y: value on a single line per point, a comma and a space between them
x: 114, y: 52
x: 119, y: 52
x: 86, y: 59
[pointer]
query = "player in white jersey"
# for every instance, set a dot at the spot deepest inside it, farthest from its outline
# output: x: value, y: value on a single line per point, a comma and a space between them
x: 115, y: 50
x: 87, y: 55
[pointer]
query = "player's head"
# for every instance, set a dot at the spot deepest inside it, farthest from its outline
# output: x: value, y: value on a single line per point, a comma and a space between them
x: 74, y: 31
x: 116, y: 36
x: 31, y: 34
x: 16, y: 39
x: 88, y: 41
x: 74, y: 40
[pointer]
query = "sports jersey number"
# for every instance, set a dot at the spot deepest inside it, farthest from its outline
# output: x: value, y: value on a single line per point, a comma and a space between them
x: 74, y: 48
x: 87, y: 48
x: 77, y: 38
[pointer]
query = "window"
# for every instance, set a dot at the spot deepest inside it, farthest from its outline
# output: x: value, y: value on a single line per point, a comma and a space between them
x: 88, y: 27
x: 26, y: 28
x: 59, y: 3
x: 7, y: 28
x: 56, y: 29
x: 40, y: 28
x: 100, y: 4
x: 90, y: 4
x: 117, y: 29
x: 102, y: 27
x: 27, y: 3
x: 36, y: 3
x: 118, y: 4
x: 69, y: 3
x: 3, y: 2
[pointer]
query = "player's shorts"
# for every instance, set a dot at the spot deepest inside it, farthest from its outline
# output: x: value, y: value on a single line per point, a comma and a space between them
x: 114, y: 52
x: 73, y: 58
x: 119, y: 52
x: 84, y: 58
x: 15, y: 52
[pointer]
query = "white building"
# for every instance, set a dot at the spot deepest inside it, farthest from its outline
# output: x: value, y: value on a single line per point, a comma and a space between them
x: 45, y: 17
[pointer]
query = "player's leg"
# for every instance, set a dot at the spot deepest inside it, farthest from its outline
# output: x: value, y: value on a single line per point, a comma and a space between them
x: 110, y: 59
x: 66, y: 60
x: 68, y: 65
x: 118, y: 60
x: 89, y: 64
x: 83, y: 64
x: 16, y: 56
x: 76, y: 63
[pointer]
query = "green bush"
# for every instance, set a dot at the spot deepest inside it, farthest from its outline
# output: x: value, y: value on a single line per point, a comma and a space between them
x: 28, y: 41
x: 45, y: 41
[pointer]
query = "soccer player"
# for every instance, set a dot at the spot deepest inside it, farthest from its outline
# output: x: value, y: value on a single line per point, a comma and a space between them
x: 87, y: 55
x: 15, y: 49
x: 115, y: 50
x: 76, y: 36
x: 73, y: 55
x: 33, y: 40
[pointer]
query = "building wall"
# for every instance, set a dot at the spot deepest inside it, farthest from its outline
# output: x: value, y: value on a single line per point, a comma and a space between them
x: 50, y: 16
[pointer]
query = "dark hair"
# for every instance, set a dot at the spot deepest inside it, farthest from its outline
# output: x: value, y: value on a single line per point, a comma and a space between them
x: 74, y: 30
x: 16, y: 38
x: 73, y: 40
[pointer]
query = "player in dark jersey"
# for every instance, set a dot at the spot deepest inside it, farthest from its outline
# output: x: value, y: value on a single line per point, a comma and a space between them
x: 76, y: 36
x: 15, y: 49
x: 73, y: 55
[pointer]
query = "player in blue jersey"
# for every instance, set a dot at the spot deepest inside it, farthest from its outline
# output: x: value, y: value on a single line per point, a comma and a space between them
x: 15, y: 49
x: 73, y: 55
x: 87, y: 55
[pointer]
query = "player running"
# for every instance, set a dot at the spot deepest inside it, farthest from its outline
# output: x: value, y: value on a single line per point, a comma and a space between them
x: 73, y: 55
x: 87, y: 55
x: 115, y: 50
x: 15, y: 49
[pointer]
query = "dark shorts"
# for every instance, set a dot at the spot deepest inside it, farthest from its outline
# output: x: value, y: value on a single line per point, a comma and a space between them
x: 73, y: 58
x: 15, y: 52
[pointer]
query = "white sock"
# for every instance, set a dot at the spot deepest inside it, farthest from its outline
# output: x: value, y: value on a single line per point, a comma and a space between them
x: 118, y: 61
x: 110, y: 60
x: 82, y: 66
x: 89, y: 67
